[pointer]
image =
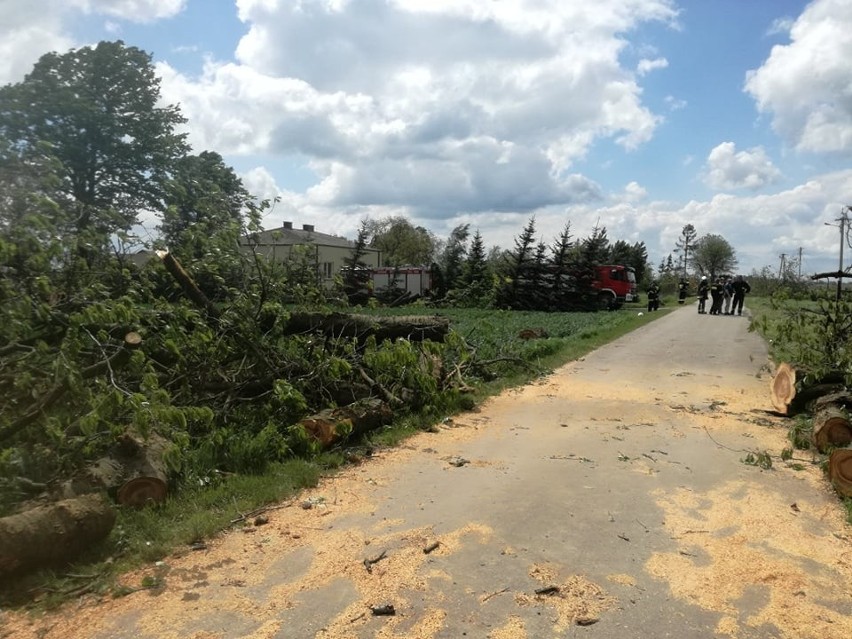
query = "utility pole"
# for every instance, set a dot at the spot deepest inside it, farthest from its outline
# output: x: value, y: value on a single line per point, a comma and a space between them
x: 783, y: 256
x: 800, y: 262
x: 843, y: 219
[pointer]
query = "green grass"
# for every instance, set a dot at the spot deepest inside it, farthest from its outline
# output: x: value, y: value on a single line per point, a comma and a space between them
x: 195, y: 513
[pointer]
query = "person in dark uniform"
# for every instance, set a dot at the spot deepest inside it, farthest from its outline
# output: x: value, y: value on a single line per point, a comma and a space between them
x: 717, y: 294
x: 682, y: 290
x: 653, y: 297
x: 741, y: 287
x: 703, y: 290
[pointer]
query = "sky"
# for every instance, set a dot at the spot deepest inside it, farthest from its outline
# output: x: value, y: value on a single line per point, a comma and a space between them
x: 641, y: 116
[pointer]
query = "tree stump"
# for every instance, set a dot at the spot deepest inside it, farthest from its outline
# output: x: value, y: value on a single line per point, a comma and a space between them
x: 840, y: 471
x: 782, y: 387
x: 831, y: 428
x: 53, y: 534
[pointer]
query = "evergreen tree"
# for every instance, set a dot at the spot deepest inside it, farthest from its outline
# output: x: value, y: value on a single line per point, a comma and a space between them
x: 517, y: 269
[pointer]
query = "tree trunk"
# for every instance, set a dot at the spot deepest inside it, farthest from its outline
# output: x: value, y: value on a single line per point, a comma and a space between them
x: 414, y: 328
x: 792, y: 389
x: 53, y: 534
x: 330, y: 426
x: 840, y: 471
x: 831, y: 428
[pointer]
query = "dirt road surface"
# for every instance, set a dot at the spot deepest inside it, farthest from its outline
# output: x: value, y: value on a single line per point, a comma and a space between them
x: 615, y: 487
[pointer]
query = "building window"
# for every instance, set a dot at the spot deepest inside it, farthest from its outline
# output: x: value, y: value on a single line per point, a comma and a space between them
x: 327, y: 268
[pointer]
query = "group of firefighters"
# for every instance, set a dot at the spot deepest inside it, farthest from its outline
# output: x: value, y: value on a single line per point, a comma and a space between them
x: 727, y: 294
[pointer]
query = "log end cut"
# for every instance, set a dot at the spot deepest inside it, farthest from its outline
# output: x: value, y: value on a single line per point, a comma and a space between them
x: 142, y: 491
x: 840, y: 471
x: 782, y: 387
x: 831, y: 429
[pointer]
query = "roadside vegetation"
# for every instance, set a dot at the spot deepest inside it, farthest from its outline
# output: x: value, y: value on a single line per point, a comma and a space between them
x: 807, y: 325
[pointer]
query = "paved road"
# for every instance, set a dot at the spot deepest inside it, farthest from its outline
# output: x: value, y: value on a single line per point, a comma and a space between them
x: 618, y: 482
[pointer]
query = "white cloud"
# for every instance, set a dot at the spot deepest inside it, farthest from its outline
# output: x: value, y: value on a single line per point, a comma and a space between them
x: 728, y: 169
x: 807, y: 84
x: 28, y: 31
x: 131, y: 10
x: 634, y: 192
x: 675, y: 104
x: 388, y: 99
x: 645, y: 66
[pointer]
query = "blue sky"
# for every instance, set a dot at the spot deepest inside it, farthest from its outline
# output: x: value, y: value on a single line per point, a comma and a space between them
x: 732, y: 115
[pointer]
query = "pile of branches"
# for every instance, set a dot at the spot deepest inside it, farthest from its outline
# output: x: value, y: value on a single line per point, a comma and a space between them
x: 93, y: 382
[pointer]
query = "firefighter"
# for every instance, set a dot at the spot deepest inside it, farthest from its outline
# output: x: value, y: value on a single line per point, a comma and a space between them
x: 716, y: 295
x: 682, y: 290
x: 728, y: 292
x: 703, y: 289
x: 740, y: 287
x: 653, y: 297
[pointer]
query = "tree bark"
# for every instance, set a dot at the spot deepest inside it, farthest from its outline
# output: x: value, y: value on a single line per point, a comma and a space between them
x: 414, y: 328
x: 190, y: 288
x: 840, y: 471
x: 53, y: 534
x: 144, y: 478
x: 831, y: 428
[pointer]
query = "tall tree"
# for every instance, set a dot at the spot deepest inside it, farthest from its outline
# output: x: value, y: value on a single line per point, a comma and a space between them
x: 713, y: 255
x: 517, y: 269
x: 686, y: 245
x: 401, y: 242
x: 451, y: 260
x: 97, y: 109
x: 203, y: 197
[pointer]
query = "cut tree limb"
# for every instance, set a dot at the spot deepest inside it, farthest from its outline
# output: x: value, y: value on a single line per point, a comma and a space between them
x: 53, y: 534
x: 840, y: 471
x: 831, y: 428
x: 132, y: 341
x: 328, y: 427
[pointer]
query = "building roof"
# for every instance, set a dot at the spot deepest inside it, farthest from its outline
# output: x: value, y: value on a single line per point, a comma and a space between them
x: 286, y: 236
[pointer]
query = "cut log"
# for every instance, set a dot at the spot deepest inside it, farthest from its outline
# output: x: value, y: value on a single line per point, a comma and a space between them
x: 831, y: 429
x: 53, y: 534
x: 842, y: 399
x: 782, y: 387
x: 792, y: 390
x: 414, y: 328
x: 840, y: 470
x: 134, y: 472
x: 144, y: 478
x: 330, y: 426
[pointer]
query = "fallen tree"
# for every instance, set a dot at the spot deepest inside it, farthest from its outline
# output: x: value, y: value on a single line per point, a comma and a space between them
x: 330, y: 426
x: 53, y: 534
x: 349, y: 325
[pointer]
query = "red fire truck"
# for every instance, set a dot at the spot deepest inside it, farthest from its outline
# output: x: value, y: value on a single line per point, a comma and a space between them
x: 616, y: 285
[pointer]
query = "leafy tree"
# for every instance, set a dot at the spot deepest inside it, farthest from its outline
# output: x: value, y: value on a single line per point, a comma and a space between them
x: 713, y: 255
x: 203, y: 196
x: 401, y: 242
x: 685, y: 244
x: 97, y: 110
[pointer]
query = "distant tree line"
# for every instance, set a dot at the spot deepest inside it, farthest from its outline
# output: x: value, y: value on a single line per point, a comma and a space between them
x: 532, y: 275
